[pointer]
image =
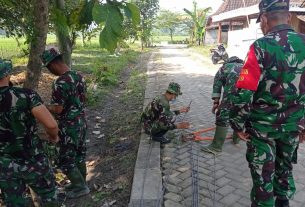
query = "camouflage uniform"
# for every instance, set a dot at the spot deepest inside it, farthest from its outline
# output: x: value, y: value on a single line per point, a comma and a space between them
x: 270, y: 105
x: 22, y: 159
x: 157, y: 118
x: 225, y: 79
x: 69, y: 91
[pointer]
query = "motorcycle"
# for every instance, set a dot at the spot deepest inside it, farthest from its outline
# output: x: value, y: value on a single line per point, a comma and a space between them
x: 218, y: 54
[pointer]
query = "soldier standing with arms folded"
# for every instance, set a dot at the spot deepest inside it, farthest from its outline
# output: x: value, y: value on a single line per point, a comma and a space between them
x: 68, y: 104
x: 270, y: 104
x: 22, y: 159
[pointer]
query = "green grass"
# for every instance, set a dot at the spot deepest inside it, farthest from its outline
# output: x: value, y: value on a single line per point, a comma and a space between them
x: 205, y: 50
x: 168, y: 38
x: 101, y: 68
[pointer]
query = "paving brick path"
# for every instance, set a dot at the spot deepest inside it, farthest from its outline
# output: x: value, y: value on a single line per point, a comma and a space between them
x: 220, y: 181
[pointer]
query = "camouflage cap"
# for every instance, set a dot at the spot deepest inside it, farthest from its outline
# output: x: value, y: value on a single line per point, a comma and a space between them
x: 174, y: 88
x: 49, y: 55
x: 5, y: 68
x: 272, y: 5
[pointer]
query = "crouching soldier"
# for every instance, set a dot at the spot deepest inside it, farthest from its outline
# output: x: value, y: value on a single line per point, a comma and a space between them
x: 68, y: 103
x: 158, y: 119
x: 22, y: 159
x: 225, y: 79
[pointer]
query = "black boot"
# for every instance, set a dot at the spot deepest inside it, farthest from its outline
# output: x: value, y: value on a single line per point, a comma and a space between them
x: 281, y: 203
x: 161, y: 139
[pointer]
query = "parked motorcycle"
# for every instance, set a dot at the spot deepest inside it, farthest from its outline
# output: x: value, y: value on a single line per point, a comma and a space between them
x: 218, y: 54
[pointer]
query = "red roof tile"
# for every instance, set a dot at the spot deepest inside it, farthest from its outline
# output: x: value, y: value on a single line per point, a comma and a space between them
x: 229, y: 5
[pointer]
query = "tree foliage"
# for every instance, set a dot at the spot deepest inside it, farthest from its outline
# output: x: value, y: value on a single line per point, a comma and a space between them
x: 111, y: 16
x: 148, y: 12
x: 16, y: 17
x: 198, y: 17
x: 68, y: 19
x: 169, y: 20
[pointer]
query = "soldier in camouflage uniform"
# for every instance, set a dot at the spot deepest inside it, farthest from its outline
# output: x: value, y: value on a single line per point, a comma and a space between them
x: 158, y: 119
x: 269, y: 105
x: 225, y: 79
x: 68, y: 103
x: 22, y: 159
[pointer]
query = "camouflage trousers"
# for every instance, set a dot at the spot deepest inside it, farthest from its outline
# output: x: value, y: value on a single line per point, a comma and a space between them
x: 222, y: 114
x: 72, y: 145
x: 16, y: 174
x: 270, y: 163
x: 154, y: 130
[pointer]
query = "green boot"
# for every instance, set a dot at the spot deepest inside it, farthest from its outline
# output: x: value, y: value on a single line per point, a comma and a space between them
x: 83, y: 170
x: 219, y: 138
x: 235, y: 138
x: 78, y: 185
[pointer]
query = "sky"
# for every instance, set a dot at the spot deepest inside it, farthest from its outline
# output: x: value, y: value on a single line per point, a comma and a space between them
x: 178, y: 5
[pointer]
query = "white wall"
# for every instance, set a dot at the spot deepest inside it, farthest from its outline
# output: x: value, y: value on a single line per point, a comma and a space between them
x: 239, y: 41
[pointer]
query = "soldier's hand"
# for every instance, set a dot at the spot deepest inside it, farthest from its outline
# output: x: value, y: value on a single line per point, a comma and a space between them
x: 185, y: 109
x: 302, y: 137
x: 54, y: 140
x: 183, y: 125
x: 243, y: 136
x: 215, y: 107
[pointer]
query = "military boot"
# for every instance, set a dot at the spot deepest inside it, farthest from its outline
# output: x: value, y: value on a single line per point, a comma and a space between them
x: 235, y: 138
x: 219, y: 138
x: 61, y: 197
x: 281, y: 203
x: 161, y: 139
x: 51, y: 204
x: 83, y: 170
x: 78, y: 185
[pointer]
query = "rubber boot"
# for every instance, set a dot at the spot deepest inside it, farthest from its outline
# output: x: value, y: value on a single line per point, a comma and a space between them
x: 78, y: 185
x: 235, y: 138
x: 219, y: 138
x: 61, y: 197
x: 281, y: 203
x: 161, y: 139
x: 83, y: 171
x: 52, y: 204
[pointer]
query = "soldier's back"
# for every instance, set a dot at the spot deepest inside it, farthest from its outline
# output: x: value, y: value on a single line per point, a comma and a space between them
x: 18, y: 130
x: 278, y: 101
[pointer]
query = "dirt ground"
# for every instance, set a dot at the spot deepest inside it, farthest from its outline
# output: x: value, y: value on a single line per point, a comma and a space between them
x: 113, y: 137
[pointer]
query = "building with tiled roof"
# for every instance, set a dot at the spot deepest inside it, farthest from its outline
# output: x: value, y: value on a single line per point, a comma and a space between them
x: 238, y: 14
x: 234, y: 23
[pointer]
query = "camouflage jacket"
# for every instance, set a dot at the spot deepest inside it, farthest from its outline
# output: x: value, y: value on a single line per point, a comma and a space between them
x: 69, y: 90
x: 18, y: 127
x: 271, y: 86
x: 157, y: 115
x: 225, y: 79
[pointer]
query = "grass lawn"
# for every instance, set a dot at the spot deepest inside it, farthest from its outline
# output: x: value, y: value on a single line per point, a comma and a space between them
x: 205, y: 50
x: 168, y: 38
x: 101, y: 68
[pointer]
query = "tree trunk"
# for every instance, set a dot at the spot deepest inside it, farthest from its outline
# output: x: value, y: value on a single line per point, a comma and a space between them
x: 171, y: 32
x: 38, y: 43
x: 64, y: 42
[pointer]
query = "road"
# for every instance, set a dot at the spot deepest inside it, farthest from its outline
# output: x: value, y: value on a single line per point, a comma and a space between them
x: 192, y: 177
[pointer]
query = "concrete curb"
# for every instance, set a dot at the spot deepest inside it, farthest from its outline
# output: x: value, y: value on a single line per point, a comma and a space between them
x: 147, y: 180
